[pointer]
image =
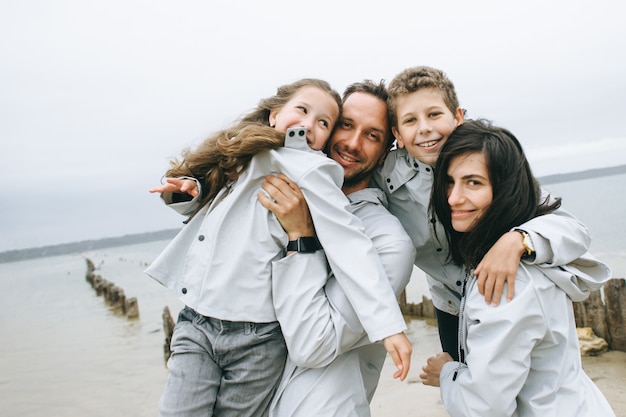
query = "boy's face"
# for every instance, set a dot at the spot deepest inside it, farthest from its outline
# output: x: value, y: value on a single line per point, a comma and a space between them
x: 424, y: 123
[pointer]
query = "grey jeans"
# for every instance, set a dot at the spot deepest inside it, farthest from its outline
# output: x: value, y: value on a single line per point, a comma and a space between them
x: 222, y: 368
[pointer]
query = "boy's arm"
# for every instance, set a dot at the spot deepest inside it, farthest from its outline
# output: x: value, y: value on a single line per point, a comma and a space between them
x: 554, y: 239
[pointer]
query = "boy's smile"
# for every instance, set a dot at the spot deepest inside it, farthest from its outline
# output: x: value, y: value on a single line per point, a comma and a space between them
x: 424, y: 123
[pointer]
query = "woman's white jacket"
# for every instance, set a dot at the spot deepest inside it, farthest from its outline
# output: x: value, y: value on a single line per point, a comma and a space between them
x: 522, y: 357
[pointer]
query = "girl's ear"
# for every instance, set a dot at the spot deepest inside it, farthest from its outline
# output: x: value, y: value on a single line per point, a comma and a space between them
x: 272, y: 118
x: 398, y: 137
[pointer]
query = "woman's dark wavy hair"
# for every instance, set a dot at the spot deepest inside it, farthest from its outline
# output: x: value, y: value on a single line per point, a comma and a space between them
x: 516, y: 192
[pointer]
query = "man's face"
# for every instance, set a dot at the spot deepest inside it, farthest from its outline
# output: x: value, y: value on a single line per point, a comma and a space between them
x: 359, y: 142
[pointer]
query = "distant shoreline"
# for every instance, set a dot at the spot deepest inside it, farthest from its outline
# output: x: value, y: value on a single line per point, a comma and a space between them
x: 582, y: 175
x: 86, y: 245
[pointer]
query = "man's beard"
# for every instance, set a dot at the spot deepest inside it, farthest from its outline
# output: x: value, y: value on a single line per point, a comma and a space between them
x: 357, y: 177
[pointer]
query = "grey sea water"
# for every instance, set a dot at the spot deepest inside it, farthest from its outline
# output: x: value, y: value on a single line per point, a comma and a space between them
x: 64, y: 352
x: 600, y: 203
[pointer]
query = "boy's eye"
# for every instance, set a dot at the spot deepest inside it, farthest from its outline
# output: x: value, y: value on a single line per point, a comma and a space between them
x: 435, y: 114
x: 409, y: 120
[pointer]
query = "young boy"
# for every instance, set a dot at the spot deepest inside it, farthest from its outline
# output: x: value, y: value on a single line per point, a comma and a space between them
x: 424, y: 111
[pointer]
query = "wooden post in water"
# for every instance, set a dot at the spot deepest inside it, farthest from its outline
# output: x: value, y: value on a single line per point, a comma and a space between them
x: 615, y: 298
x: 131, y: 308
x: 168, y: 329
x: 112, y: 294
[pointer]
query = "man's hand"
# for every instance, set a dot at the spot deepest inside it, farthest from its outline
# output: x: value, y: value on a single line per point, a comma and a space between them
x: 432, y: 370
x: 498, y: 266
x: 400, y: 349
x: 175, y: 185
x: 288, y: 204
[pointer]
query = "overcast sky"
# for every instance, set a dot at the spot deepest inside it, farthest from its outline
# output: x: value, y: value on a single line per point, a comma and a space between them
x: 96, y: 96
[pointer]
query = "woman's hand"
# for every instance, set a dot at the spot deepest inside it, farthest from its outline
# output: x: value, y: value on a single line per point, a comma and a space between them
x: 432, y: 370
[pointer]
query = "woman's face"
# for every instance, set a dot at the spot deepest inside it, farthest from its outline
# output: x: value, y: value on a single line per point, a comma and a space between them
x: 469, y: 190
x: 311, y: 108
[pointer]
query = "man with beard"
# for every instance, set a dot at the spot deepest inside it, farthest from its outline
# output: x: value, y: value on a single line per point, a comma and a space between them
x: 332, y: 368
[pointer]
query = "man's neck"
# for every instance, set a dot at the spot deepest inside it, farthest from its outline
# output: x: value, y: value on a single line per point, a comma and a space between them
x: 360, y: 185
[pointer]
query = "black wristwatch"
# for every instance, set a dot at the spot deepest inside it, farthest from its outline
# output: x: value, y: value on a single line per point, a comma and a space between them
x: 304, y: 245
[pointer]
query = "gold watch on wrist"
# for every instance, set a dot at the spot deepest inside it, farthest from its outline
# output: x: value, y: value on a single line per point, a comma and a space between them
x: 527, y: 243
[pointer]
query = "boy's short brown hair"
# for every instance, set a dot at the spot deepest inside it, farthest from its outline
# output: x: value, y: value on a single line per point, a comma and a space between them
x: 416, y: 78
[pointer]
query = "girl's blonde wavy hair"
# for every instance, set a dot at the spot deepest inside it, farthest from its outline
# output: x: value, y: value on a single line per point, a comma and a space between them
x: 224, y: 155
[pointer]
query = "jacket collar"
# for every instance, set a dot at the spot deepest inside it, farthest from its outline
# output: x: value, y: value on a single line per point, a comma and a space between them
x: 367, y: 195
x: 399, y: 170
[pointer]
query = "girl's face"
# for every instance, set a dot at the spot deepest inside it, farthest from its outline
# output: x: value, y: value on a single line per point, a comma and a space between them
x: 424, y: 123
x: 469, y: 190
x: 311, y: 108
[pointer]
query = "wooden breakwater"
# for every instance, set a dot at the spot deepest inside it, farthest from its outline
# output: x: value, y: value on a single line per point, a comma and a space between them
x: 604, y: 312
x: 112, y: 294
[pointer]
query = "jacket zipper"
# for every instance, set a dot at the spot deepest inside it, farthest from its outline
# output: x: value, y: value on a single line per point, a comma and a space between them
x: 462, y: 348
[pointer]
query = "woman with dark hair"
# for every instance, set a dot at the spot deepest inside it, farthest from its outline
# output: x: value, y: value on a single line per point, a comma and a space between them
x: 521, y: 358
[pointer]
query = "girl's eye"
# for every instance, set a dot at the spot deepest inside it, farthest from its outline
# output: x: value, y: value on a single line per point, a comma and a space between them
x: 303, y: 109
x: 324, y: 123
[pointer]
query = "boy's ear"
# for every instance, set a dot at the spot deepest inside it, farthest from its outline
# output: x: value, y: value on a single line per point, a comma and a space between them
x: 459, y: 116
x: 398, y: 137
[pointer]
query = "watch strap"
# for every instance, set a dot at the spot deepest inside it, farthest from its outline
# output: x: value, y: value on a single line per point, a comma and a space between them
x: 305, y: 244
